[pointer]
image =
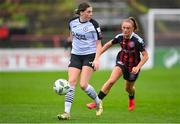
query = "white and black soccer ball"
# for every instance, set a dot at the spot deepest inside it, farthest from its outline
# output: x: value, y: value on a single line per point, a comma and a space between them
x: 61, y: 86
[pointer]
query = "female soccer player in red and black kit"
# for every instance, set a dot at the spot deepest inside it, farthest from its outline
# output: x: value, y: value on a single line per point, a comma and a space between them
x: 128, y: 61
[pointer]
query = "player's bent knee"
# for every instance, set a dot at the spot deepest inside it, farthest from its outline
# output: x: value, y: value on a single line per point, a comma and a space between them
x: 127, y: 89
x: 73, y: 82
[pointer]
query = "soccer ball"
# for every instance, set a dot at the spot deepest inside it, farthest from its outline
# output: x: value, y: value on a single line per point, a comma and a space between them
x: 61, y: 86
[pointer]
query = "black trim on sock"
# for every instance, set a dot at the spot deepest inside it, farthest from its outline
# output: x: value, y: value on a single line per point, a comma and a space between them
x: 131, y: 96
x: 101, y: 95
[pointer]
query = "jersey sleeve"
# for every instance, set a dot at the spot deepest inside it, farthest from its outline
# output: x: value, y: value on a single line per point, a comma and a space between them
x: 69, y: 27
x: 98, y: 33
x: 141, y: 45
x: 69, y: 22
x: 117, y: 39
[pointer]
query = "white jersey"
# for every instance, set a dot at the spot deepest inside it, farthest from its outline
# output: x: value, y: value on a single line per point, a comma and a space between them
x: 85, y: 35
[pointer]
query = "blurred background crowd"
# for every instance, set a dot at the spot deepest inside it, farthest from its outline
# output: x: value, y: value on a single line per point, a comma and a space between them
x: 44, y: 23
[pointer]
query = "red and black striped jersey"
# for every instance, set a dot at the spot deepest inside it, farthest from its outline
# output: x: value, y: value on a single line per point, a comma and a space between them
x: 130, y: 49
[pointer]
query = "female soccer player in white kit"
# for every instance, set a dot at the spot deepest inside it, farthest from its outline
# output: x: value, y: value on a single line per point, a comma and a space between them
x: 86, y: 45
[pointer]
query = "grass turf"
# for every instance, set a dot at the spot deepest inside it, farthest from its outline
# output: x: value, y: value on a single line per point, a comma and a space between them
x: 28, y: 97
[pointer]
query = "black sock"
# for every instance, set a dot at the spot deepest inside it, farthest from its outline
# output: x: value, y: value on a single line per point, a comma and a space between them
x: 101, y: 95
x: 131, y: 96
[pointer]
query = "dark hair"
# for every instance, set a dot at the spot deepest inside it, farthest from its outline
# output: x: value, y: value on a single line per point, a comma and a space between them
x: 82, y: 7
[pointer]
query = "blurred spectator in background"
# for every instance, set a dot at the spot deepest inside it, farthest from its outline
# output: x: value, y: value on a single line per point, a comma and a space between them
x: 4, y: 32
x: 4, y: 36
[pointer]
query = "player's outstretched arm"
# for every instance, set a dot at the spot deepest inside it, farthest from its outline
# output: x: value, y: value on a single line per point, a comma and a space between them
x: 106, y: 46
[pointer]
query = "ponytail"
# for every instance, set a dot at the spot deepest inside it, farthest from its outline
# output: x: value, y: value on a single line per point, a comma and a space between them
x: 134, y: 23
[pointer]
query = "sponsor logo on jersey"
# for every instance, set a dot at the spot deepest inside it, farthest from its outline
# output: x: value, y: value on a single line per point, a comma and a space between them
x: 123, y: 43
x: 79, y: 36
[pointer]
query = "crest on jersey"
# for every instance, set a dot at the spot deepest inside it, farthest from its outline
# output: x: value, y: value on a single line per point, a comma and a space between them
x: 85, y: 29
x: 131, y: 44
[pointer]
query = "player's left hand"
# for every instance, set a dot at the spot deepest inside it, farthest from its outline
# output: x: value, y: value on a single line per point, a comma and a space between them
x: 135, y: 70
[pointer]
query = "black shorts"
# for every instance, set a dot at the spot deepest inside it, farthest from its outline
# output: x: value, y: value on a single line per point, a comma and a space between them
x: 78, y: 61
x: 131, y: 77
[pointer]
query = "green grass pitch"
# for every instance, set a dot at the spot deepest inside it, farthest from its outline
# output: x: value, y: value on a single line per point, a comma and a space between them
x: 28, y: 97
